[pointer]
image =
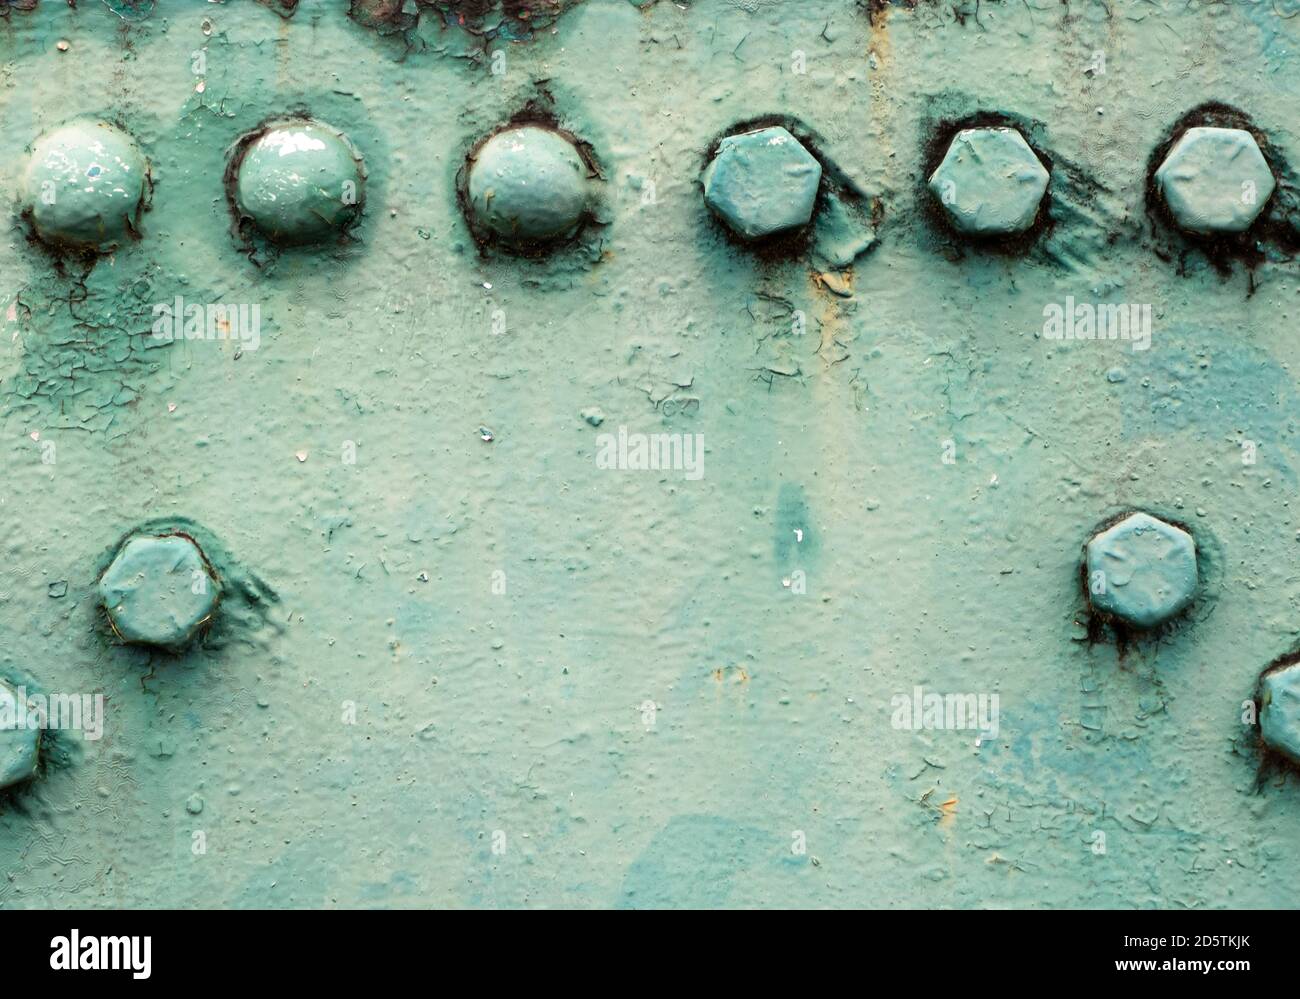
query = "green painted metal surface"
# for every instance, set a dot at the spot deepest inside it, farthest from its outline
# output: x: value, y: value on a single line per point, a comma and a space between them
x: 650, y: 567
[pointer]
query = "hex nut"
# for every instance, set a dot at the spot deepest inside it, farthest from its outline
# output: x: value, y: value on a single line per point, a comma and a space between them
x: 762, y: 183
x: 300, y: 182
x: 990, y: 182
x: 1279, y: 711
x: 19, y: 743
x: 528, y: 185
x: 1141, y: 571
x: 159, y: 591
x: 1215, y: 180
x: 84, y: 185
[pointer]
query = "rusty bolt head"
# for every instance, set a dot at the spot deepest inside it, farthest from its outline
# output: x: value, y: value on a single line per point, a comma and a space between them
x: 1141, y: 570
x: 19, y: 742
x: 1215, y: 180
x: 990, y: 182
x: 762, y: 183
x: 1279, y: 711
x: 159, y: 591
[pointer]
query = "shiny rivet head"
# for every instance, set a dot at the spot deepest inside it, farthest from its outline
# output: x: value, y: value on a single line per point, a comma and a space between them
x: 85, y: 185
x: 299, y: 182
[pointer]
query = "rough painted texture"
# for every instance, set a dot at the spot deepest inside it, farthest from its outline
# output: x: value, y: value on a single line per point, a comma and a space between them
x: 523, y: 712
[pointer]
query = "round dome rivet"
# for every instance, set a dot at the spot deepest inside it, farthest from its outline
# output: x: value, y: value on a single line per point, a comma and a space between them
x: 298, y: 181
x: 85, y: 185
x: 528, y: 185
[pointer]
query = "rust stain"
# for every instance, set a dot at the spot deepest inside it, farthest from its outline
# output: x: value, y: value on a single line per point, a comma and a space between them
x: 282, y: 73
x: 834, y: 333
x: 738, y: 674
x: 839, y: 283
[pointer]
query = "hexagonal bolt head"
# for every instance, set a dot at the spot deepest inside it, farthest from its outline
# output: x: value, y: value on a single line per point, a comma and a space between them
x: 84, y: 185
x: 1215, y: 180
x: 990, y: 182
x: 300, y: 182
x: 19, y: 744
x: 1141, y: 571
x: 528, y: 185
x: 762, y: 183
x: 1279, y: 711
x: 159, y: 591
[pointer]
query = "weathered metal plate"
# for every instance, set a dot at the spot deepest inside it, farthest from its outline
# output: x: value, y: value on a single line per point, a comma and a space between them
x: 466, y: 653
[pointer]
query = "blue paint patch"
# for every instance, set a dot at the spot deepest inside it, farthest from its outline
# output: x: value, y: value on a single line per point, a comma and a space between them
x: 693, y: 862
x: 1208, y: 384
